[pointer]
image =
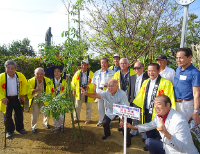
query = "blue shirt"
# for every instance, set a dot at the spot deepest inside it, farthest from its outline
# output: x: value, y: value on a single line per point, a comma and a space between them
x: 118, y: 98
x: 116, y: 68
x: 184, y: 81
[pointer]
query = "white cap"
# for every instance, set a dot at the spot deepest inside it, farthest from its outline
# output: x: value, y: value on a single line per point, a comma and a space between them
x: 116, y: 55
x: 85, y: 61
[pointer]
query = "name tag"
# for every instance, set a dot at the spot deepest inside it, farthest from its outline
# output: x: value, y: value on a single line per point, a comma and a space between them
x: 182, y: 77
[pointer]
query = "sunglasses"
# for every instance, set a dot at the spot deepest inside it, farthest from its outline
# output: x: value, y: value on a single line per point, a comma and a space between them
x: 135, y: 68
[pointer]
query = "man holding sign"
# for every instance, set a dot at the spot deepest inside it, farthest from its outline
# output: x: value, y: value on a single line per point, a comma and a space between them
x: 173, y: 129
x: 113, y: 95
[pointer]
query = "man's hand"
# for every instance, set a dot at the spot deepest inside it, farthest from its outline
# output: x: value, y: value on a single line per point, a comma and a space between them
x: 82, y: 90
x: 106, y: 84
x: 38, y: 87
x: 196, y: 118
x: 22, y: 98
x: 163, y: 129
x: 121, y: 124
x: 194, y: 115
x: 128, y: 125
x: 86, y: 87
x: 5, y: 101
x: 74, y: 93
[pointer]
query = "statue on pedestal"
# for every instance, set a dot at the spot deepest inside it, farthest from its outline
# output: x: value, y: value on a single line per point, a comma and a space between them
x: 48, y: 37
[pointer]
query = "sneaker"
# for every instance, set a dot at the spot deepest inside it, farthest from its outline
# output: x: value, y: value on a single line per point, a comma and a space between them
x: 34, y: 131
x: 23, y: 131
x: 62, y: 128
x: 128, y: 144
x: 145, y: 149
x: 120, y: 129
x: 75, y: 121
x: 99, y: 124
x: 87, y: 122
x: 47, y: 126
x: 8, y: 135
x: 57, y: 129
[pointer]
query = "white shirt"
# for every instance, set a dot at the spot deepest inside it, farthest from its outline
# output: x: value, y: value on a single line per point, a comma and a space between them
x: 118, y: 98
x: 97, y: 78
x: 103, y: 79
x: 168, y: 73
x: 151, y: 86
x: 138, y: 84
x: 57, y: 82
x: 12, y: 85
x: 84, y: 78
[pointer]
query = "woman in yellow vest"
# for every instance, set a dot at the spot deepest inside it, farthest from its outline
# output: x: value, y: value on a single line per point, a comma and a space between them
x: 58, y: 86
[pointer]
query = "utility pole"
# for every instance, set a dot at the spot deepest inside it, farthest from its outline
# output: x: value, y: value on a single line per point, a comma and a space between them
x: 186, y: 4
x: 79, y: 24
x: 184, y: 27
x: 68, y: 17
x: 68, y: 13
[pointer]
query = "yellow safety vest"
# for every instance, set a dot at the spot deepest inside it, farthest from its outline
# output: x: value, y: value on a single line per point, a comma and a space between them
x: 165, y: 88
x: 31, y: 85
x: 111, y: 67
x: 63, y: 86
x: 22, y: 88
x: 75, y: 85
x: 116, y: 76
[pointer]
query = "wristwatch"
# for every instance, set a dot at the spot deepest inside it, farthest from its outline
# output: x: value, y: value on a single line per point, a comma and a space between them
x: 135, y: 126
x: 197, y: 111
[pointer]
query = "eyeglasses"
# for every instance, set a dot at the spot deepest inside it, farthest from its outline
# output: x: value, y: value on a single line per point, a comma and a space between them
x: 137, y: 68
x: 123, y: 63
x: 111, y: 86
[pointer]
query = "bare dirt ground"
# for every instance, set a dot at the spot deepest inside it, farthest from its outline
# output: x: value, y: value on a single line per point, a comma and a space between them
x: 45, y: 141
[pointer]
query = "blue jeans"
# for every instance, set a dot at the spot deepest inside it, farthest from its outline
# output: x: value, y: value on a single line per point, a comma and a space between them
x: 154, y: 146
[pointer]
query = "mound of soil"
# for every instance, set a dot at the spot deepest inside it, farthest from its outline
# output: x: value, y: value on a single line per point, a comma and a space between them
x: 45, y: 141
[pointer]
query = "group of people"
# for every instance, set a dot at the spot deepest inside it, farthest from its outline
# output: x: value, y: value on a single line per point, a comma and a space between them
x: 168, y: 100
x: 14, y: 86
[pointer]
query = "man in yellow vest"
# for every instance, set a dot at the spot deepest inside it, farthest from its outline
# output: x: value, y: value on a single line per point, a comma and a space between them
x: 38, y: 85
x: 116, y: 67
x: 83, y: 78
x: 123, y: 77
x: 12, y: 90
x: 152, y: 87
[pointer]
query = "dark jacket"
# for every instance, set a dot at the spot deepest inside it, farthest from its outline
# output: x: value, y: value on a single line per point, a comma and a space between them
x: 132, y: 87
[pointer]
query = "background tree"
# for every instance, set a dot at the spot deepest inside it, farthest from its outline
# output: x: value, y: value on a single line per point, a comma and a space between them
x: 17, y: 48
x: 4, y: 50
x: 132, y: 28
x: 21, y: 47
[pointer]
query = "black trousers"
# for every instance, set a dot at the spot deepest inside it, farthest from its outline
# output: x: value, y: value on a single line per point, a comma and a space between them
x: 106, y: 126
x: 18, y: 116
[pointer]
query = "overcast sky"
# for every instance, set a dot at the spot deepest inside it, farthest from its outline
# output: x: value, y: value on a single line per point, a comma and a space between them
x: 31, y: 18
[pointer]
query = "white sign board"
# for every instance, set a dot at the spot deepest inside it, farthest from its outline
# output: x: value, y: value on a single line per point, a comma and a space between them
x: 129, y: 112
